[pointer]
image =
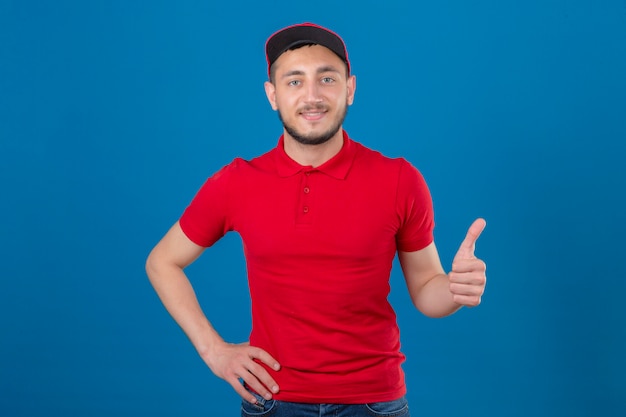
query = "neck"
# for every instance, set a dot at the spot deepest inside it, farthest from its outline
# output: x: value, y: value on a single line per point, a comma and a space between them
x: 313, y: 155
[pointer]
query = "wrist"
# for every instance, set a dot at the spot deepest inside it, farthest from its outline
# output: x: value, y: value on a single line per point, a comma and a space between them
x: 209, y: 348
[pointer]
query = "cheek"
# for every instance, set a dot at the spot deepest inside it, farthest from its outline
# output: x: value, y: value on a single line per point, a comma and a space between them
x: 285, y: 103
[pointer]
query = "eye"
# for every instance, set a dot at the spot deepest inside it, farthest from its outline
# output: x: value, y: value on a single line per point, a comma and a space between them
x: 328, y: 80
x: 293, y: 83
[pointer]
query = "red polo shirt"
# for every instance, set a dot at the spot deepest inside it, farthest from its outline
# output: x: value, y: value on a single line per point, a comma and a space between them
x: 319, y: 245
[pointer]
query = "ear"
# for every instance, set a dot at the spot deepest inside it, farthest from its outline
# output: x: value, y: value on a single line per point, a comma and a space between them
x: 351, y: 89
x: 270, y: 92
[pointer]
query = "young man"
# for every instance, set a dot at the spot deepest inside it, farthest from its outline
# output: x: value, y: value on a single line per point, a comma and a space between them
x: 321, y: 218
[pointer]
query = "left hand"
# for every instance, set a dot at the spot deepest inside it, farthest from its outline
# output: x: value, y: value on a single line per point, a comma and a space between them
x: 468, y: 278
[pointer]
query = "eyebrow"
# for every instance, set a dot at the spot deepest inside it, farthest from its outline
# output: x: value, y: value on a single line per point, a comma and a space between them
x: 320, y: 70
x: 327, y: 68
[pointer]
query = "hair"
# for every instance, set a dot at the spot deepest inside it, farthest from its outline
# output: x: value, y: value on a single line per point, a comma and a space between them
x: 273, y: 70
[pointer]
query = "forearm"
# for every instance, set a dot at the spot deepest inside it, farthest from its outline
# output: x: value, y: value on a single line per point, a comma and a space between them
x: 435, y: 299
x: 165, y: 268
x: 177, y: 295
x: 230, y: 362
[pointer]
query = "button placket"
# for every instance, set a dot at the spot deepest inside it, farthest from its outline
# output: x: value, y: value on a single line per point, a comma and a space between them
x: 304, y: 206
x: 306, y: 190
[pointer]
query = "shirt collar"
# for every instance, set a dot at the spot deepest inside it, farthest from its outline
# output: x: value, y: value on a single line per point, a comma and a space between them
x: 336, y: 167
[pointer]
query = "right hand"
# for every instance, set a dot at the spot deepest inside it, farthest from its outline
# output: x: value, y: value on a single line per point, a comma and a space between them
x: 234, y: 361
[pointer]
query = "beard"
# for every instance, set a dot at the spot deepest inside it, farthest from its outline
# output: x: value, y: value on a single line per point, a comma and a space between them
x: 313, y: 139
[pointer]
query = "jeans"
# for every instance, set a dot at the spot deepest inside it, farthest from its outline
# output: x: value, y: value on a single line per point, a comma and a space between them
x: 275, y: 408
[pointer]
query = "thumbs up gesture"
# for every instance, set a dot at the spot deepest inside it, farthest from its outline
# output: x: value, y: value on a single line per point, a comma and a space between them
x: 467, y: 279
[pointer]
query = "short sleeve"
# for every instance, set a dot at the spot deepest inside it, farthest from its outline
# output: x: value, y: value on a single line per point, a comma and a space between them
x: 206, y: 218
x: 415, y: 209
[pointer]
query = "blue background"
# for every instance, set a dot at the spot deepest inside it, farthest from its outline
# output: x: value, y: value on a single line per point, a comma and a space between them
x: 113, y: 113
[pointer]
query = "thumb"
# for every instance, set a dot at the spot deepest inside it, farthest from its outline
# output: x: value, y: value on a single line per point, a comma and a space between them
x: 466, y: 250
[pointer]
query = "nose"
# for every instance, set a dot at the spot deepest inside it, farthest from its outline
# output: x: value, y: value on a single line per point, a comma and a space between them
x: 312, y: 92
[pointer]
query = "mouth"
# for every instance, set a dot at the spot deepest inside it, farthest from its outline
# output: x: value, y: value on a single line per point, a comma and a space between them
x: 313, y: 114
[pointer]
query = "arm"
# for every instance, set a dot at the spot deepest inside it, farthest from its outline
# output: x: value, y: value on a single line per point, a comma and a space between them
x: 165, y: 268
x: 437, y: 294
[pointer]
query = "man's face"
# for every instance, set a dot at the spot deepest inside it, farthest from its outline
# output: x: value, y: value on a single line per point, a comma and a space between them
x: 311, y: 92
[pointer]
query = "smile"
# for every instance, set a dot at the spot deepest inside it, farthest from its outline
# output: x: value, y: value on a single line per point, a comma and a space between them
x: 316, y: 115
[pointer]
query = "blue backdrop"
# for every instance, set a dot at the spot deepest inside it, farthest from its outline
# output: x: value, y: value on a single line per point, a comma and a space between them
x: 113, y: 113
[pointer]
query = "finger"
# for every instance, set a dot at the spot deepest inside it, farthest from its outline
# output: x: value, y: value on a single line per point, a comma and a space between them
x: 241, y: 390
x: 466, y: 250
x: 261, y: 355
x: 268, y: 385
x: 467, y: 300
x: 469, y: 265
x: 255, y: 385
x: 466, y: 289
x: 264, y: 357
x: 248, y: 373
x: 467, y: 278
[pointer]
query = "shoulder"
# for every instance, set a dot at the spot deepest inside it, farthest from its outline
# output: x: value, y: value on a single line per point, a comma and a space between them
x: 242, y: 168
x: 376, y: 160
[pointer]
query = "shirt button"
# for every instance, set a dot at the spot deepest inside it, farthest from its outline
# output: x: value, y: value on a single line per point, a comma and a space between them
x: 306, y: 190
x: 305, y: 209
